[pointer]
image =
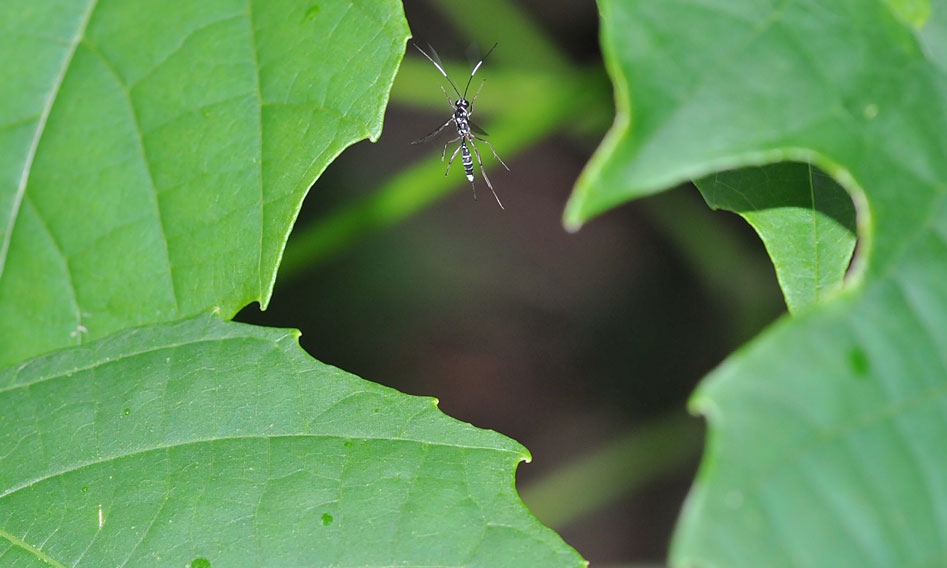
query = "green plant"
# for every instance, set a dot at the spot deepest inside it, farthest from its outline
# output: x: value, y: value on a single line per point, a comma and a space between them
x: 826, y: 432
x: 153, y: 160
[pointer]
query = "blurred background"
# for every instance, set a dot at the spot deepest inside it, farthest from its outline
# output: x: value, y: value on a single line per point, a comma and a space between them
x: 583, y: 347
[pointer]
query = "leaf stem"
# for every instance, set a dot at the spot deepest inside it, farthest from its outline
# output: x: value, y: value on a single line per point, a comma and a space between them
x: 620, y: 467
x: 417, y: 187
x: 494, y: 20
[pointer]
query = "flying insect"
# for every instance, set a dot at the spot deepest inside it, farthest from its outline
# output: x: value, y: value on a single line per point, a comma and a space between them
x: 467, y: 130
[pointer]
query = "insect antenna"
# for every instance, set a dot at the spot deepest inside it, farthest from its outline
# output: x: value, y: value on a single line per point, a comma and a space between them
x: 438, y: 65
x: 477, y: 66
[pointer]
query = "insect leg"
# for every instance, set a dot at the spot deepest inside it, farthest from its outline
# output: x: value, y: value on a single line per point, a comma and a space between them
x: 451, y: 161
x: 450, y: 102
x: 484, y: 172
x: 434, y: 133
x: 444, y: 153
x: 494, y: 152
x: 477, y: 94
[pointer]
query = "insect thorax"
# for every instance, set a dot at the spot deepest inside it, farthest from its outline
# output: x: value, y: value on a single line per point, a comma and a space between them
x: 461, y: 120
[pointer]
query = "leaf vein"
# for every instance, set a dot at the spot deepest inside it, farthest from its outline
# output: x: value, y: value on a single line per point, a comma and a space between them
x: 259, y: 95
x: 31, y: 549
x: 163, y: 447
x: 133, y: 115
x: 151, y: 523
x: 40, y: 130
x: 77, y: 311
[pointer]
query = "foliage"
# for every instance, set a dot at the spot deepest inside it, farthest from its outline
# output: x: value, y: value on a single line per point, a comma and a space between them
x: 154, y: 159
x: 152, y: 163
x: 826, y: 432
x: 223, y: 441
x: 806, y: 221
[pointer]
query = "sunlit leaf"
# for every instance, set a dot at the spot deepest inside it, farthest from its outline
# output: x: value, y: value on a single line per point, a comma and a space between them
x: 805, y: 219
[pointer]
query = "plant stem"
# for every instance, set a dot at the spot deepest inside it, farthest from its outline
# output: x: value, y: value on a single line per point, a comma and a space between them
x: 718, y: 255
x: 415, y: 188
x: 494, y: 20
x: 622, y: 466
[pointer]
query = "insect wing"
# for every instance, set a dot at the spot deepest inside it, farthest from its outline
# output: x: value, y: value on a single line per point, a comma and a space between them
x: 433, y: 133
x: 476, y: 128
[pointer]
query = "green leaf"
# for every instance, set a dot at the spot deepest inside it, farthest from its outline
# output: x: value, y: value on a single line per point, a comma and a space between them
x: 153, y: 158
x: 203, y: 439
x: 154, y: 155
x: 913, y: 12
x: 805, y: 219
x: 827, y: 432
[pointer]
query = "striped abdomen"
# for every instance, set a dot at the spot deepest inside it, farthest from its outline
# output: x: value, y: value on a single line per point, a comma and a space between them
x: 467, y: 159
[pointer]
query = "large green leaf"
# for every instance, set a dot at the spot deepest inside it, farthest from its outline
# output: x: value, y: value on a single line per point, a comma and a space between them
x: 827, y: 432
x: 153, y: 155
x: 805, y: 219
x: 202, y: 439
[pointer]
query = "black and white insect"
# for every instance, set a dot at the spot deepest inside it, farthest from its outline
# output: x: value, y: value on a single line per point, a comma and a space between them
x: 467, y: 131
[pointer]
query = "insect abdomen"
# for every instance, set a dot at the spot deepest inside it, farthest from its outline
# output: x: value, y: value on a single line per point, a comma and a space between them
x: 468, y: 161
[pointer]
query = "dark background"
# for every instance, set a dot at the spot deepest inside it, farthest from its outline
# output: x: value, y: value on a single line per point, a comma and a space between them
x: 564, y: 342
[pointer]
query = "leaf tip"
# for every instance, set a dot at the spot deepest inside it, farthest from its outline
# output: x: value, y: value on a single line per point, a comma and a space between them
x: 702, y: 405
x: 572, y: 222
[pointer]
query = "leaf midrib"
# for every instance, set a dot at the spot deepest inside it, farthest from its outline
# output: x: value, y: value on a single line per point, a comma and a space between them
x: 40, y: 130
x: 817, y: 282
x: 259, y: 96
x: 164, y: 447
